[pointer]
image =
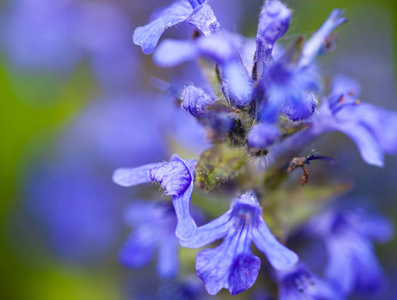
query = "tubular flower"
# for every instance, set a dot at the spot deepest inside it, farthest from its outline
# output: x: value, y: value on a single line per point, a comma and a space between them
x: 176, y: 177
x: 232, y: 264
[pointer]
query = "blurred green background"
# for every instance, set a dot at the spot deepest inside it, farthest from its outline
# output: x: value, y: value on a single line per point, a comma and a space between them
x: 33, y: 107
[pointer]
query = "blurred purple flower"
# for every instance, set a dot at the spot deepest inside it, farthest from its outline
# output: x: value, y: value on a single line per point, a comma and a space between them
x: 154, y: 229
x: 348, y: 237
x: 300, y: 284
x: 54, y: 35
x: 75, y: 208
x: 176, y: 177
x: 232, y: 264
x: 41, y: 34
x: 69, y: 193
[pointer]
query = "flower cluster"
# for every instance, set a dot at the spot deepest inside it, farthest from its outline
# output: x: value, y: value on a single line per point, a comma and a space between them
x: 261, y: 101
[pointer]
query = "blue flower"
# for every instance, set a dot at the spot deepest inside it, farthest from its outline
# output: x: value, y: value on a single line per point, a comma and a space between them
x: 154, y: 226
x: 176, y: 177
x: 299, y: 283
x: 348, y: 237
x: 201, y: 16
x: 232, y: 264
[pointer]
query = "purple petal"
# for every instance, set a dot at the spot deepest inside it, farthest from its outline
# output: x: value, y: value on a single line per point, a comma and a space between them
x: 244, y: 271
x: 148, y: 36
x: 210, y: 232
x: 377, y: 228
x: 219, y: 48
x: 366, y: 143
x: 382, y: 123
x: 171, y: 53
x: 263, y: 135
x: 339, y: 268
x: 238, y: 83
x: 212, y: 267
x: 370, y: 277
x: 186, y: 226
x: 278, y: 255
x: 133, y: 176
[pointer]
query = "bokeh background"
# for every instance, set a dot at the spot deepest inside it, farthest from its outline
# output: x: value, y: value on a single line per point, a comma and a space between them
x: 79, y: 99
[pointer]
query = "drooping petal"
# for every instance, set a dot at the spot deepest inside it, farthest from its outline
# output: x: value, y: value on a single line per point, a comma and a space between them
x: 186, y: 226
x: 382, y: 123
x: 168, y: 260
x: 339, y: 268
x: 138, y: 250
x: 366, y: 143
x: 314, y: 45
x: 263, y: 135
x: 370, y: 277
x: 171, y: 53
x: 212, y: 267
x: 210, y: 232
x: 273, y: 24
x: 279, y: 256
x: 376, y: 227
x: 194, y: 100
x: 173, y: 176
x: 133, y: 176
x: 244, y: 271
x: 148, y: 36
